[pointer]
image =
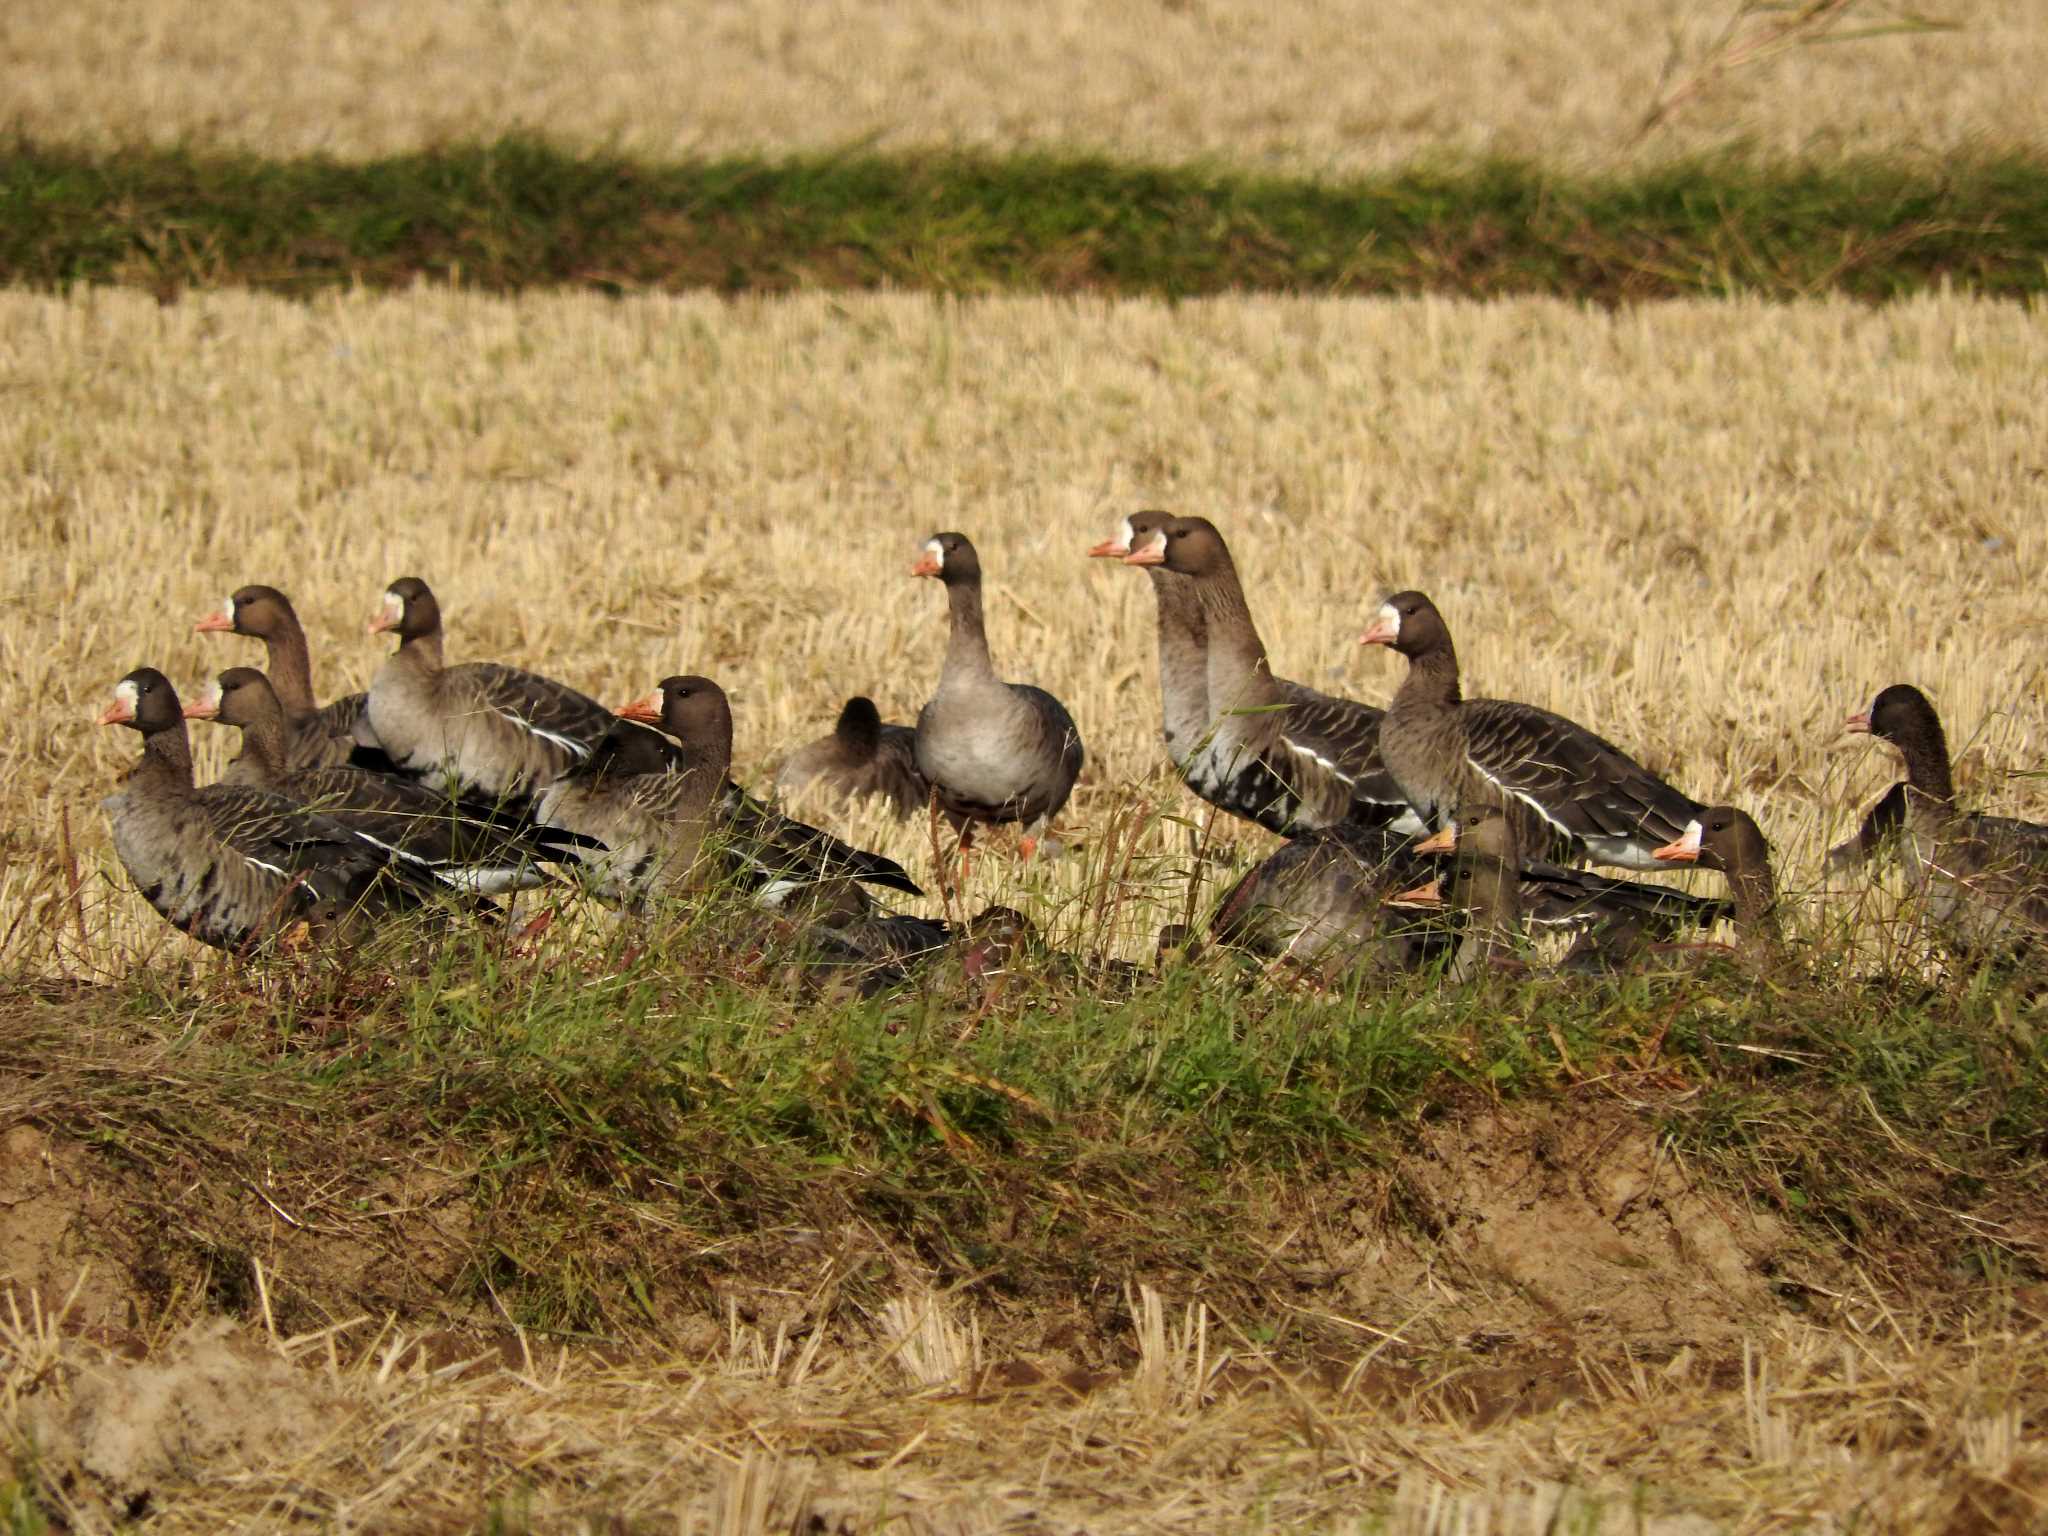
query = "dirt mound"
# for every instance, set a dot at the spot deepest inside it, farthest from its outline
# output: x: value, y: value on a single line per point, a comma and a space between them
x: 1578, y: 1227
x: 57, y: 1205
x: 120, y: 1430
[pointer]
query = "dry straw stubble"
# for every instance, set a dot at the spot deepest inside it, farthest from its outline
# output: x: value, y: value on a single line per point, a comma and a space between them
x: 1321, y: 87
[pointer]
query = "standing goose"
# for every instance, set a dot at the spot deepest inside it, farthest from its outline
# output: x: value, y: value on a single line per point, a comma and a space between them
x: 862, y: 756
x: 458, y: 845
x: 1274, y: 752
x: 228, y: 864
x: 1985, y: 877
x: 315, y: 736
x: 480, y: 729
x: 992, y: 751
x: 1724, y: 838
x: 1563, y: 785
x: 660, y: 810
x: 1183, y: 640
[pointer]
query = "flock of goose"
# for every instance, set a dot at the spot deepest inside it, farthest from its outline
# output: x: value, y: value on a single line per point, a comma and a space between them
x: 1438, y: 830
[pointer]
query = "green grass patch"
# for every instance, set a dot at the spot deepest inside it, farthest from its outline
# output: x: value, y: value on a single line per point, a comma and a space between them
x: 520, y: 213
x: 604, y: 1142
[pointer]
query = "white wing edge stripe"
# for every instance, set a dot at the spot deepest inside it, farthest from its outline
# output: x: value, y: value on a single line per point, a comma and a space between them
x: 574, y: 748
x: 1527, y: 799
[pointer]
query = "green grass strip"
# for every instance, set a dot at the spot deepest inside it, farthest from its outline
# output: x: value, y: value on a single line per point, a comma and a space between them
x: 520, y: 213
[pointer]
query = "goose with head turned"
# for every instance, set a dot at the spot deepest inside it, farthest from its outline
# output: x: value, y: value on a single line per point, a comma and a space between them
x: 1728, y: 839
x: 669, y: 818
x: 480, y: 729
x: 863, y: 755
x: 316, y: 736
x: 227, y: 864
x: 1565, y: 789
x: 1985, y: 878
x: 466, y: 847
x: 992, y: 751
x: 1272, y: 751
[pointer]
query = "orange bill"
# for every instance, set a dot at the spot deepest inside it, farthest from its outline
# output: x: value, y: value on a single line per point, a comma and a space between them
x: 116, y: 713
x: 1383, y: 632
x: 1109, y: 549
x: 1859, y: 723
x: 927, y: 565
x: 1683, y: 850
x: 220, y: 623
x: 1430, y: 894
x: 1443, y: 840
x: 646, y: 710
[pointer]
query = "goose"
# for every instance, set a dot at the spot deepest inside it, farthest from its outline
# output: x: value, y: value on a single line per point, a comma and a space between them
x: 1320, y: 900
x: 1565, y: 787
x: 227, y: 864
x: 1612, y: 919
x: 1271, y: 751
x: 1728, y: 839
x: 467, y: 848
x: 1183, y: 639
x: 1985, y: 877
x: 661, y: 810
x: 992, y: 751
x: 479, y: 729
x: 861, y: 756
x: 315, y: 736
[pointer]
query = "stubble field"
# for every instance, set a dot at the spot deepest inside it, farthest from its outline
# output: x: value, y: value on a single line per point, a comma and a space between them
x: 1709, y: 531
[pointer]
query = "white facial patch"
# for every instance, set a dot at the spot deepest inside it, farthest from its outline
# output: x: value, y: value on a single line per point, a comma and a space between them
x: 1125, y: 535
x: 209, y: 697
x: 1391, y: 617
x: 125, y: 693
x: 394, y: 610
x: 1691, y: 841
x: 937, y: 551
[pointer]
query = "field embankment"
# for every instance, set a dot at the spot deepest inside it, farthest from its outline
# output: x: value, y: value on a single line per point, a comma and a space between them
x: 520, y: 213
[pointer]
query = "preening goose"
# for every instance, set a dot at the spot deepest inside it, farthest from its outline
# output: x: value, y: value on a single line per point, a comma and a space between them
x: 1274, y: 752
x: 1985, y: 877
x: 483, y: 730
x: 228, y: 864
x: 466, y: 848
x: 861, y: 756
x: 1564, y: 787
x: 315, y: 736
x: 670, y: 818
x: 1320, y: 899
x: 992, y: 751
x: 1725, y: 838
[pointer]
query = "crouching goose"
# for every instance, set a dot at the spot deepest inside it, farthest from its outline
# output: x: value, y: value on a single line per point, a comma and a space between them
x: 1985, y: 877
x: 992, y: 751
x: 861, y: 756
x: 468, y: 848
x: 669, y: 818
x: 1272, y: 751
x: 1725, y: 838
x: 480, y: 729
x: 1564, y: 787
x: 228, y: 864
x: 315, y: 736
x: 1613, y: 920
x: 1320, y: 900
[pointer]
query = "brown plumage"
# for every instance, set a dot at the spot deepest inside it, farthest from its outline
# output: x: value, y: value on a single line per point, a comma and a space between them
x: 315, y: 735
x: 1985, y: 878
x: 669, y: 818
x: 1261, y: 747
x: 861, y: 756
x: 491, y: 732
x: 1320, y: 900
x: 1564, y: 788
x: 992, y: 751
x: 228, y: 864
x: 463, y: 846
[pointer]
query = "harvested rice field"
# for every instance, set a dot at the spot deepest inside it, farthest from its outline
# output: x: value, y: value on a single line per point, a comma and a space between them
x: 584, y: 1221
